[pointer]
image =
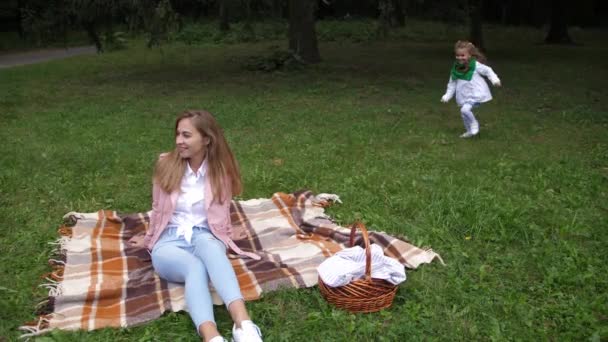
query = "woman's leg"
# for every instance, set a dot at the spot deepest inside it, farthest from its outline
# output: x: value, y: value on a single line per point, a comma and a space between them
x: 238, y: 312
x: 176, y: 264
x: 213, y: 254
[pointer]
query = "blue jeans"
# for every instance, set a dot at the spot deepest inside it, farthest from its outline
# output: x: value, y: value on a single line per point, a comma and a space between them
x: 195, y: 264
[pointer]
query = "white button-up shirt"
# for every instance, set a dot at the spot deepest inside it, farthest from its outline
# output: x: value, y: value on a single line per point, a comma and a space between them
x: 190, y: 208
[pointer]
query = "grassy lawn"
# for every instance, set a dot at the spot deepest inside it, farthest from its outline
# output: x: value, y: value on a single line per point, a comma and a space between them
x: 519, y: 214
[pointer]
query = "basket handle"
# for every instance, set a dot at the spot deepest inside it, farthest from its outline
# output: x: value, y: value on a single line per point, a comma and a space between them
x: 368, y: 253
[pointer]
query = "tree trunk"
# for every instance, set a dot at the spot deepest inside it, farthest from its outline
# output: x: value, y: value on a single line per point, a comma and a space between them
x: 19, y: 17
x: 283, y: 8
x: 385, y: 9
x: 302, y: 34
x: 476, y: 32
x: 558, y: 30
x: 504, y: 12
x: 224, y: 23
x: 277, y: 9
x: 398, y: 15
x: 91, y: 30
x: 248, y: 27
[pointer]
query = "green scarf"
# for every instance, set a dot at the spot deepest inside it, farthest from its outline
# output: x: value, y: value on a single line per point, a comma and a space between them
x: 458, y: 71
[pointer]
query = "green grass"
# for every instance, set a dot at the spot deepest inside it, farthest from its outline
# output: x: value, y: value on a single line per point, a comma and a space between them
x: 519, y: 214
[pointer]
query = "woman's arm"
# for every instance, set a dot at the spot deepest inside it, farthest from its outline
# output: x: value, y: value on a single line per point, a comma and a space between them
x: 142, y: 239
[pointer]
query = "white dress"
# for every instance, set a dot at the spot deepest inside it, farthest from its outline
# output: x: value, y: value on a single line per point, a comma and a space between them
x: 474, y: 91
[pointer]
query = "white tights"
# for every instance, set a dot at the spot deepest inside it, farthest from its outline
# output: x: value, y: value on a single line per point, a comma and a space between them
x: 470, y: 123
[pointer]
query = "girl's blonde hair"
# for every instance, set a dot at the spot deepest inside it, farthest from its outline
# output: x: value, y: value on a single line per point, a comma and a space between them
x: 222, y: 168
x: 471, y: 49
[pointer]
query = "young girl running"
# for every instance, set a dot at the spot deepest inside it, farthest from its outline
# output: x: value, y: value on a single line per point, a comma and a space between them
x: 467, y: 83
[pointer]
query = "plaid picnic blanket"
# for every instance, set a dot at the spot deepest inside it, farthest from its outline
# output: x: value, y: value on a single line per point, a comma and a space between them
x: 100, y: 280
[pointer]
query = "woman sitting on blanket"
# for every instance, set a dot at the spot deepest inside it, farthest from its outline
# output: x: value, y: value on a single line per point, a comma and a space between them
x: 190, y: 227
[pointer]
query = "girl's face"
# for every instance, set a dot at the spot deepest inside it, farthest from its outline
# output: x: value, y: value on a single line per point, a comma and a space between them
x: 462, y: 56
x: 189, y: 141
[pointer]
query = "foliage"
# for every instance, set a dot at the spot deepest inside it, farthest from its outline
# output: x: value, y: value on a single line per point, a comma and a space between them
x: 99, y: 18
x: 386, y: 8
x: 160, y: 23
x: 276, y: 60
x: 40, y: 19
x: 204, y: 33
x: 113, y: 41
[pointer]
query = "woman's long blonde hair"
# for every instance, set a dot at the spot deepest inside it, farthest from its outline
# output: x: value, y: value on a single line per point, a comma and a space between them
x: 222, y: 168
x: 471, y: 48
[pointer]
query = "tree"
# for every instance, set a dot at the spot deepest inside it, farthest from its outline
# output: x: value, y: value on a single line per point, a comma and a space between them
x: 398, y: 15
x: 391, y: 14
x: 49, y: 19
x: 385, y: 8
x: 475, y: 22
x: 18, y: 16
x: 248, y: 27
x: 39, y: 19
x: 302, y: 34
x: 224, y: 22
x: 558, y: 29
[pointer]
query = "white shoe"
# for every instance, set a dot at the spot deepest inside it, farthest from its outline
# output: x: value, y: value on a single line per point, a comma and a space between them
x: 474, y: 128
x: 466, y: 135
x: 248, y: 332
x: 218, y: 338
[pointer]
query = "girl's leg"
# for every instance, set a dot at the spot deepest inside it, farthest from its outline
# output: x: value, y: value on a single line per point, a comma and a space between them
x: 470, y: 122
x: 213, y: 254
x: 465, y: 120
x: 176, y: 264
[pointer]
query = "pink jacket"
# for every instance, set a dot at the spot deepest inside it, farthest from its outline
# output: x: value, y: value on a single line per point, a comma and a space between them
x: 218, y: 217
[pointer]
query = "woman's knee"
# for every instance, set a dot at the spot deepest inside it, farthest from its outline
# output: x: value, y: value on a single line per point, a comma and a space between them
x: 196, y: 270
x: 175, y: 264
x: 209, y: 244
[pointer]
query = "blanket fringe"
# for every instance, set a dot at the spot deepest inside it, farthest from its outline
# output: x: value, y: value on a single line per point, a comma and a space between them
x: 436, y: 255
x: 325, y: 200
x: 72, y: 217
x: 52, y: 283
x: 54, y: 262
x: 54, y: 287
x: 37, y: 327
x: 56, y: 274
x: 57, y: 261
x: 65, y: 231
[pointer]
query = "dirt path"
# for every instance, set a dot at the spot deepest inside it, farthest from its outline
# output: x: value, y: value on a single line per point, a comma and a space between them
x: 31, y: 57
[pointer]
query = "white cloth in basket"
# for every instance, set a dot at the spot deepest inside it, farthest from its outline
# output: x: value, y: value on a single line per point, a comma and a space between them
x: 349, y: 264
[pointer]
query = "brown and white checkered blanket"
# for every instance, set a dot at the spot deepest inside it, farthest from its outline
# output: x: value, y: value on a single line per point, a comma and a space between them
x: 100, y: 280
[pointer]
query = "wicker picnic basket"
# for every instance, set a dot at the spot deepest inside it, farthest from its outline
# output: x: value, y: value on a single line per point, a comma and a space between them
x: 361, y: 295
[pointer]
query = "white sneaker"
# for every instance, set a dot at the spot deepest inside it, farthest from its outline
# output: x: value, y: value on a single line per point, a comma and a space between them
x: 474, y: 128
x: 218, y: 338
x: 248, y: 332
x: 466, y: 135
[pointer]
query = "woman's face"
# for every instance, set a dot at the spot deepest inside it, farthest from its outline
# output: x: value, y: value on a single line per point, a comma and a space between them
x: 189, y: 141
x: 462, y: 56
